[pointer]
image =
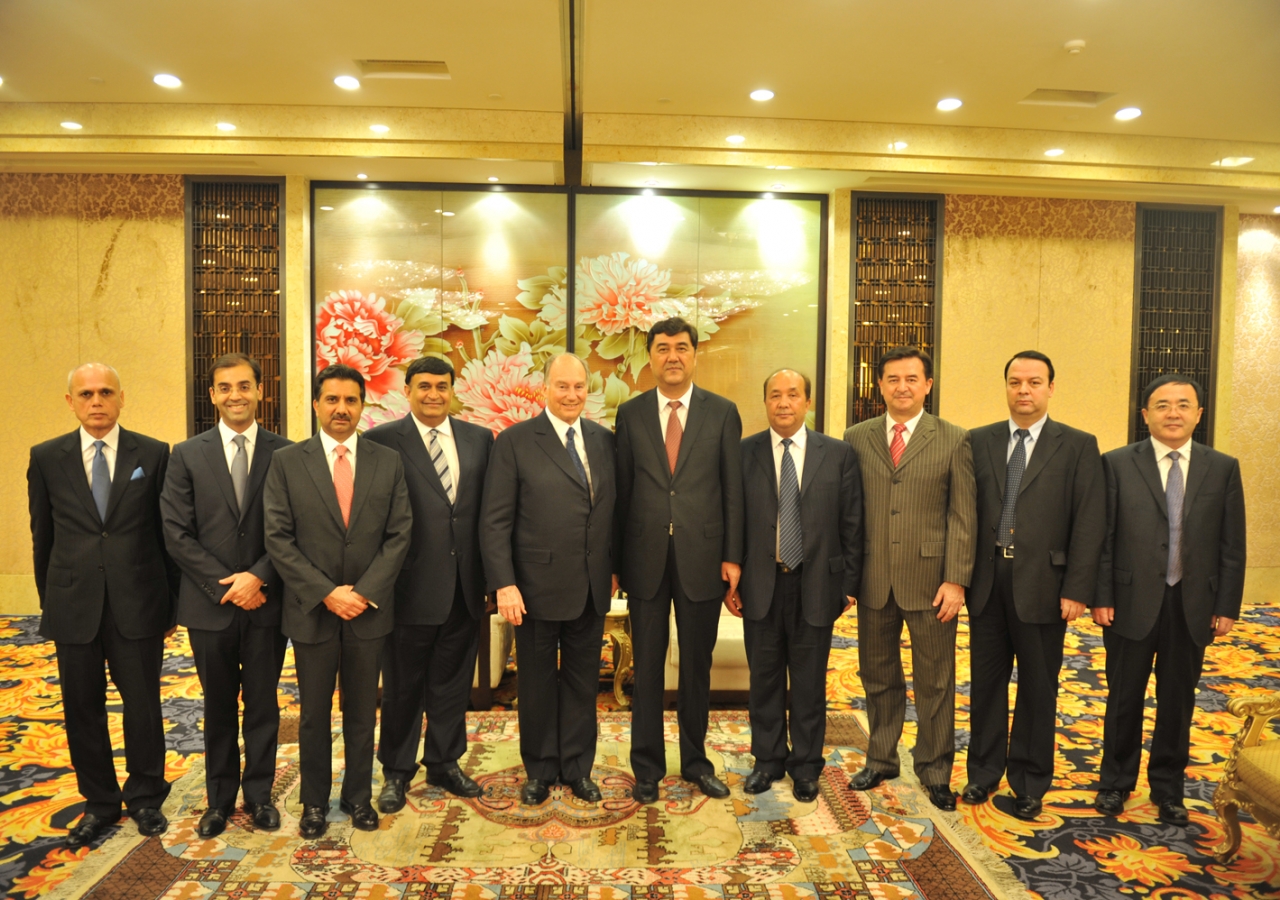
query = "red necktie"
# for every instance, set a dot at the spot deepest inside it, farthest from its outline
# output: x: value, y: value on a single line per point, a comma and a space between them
x: 674, y: 434
x: 897, y: 446
x: 343, y: 483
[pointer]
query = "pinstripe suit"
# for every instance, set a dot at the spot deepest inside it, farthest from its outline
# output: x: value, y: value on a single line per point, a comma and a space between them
x: 919, y: 527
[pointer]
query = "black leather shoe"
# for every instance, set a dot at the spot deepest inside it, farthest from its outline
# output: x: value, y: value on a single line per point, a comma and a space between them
x: 314, y: 822
x: 711, y: 786
x: 535, y: 792
x: 976, y: 794
x: 455, y: 781
x: 151, y: 822
x: 867, y: 779
x: 1172, y: 812
x: 645, y: 792
x: 212, y: 823
x: 941, y: 796
x: 89, y: 829
x: 265, y: 815
x: 585, y: 789
x: 805, y: 790
x: 1027, y: 808
x: 1110, y: 803
x: 362, y: 817
x: 758, y: 782
x: 391, y: 799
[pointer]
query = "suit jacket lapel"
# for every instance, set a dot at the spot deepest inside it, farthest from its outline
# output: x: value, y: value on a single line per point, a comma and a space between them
x: 814, y: 451
x: 314, y: 461
x: 925, y: 429
x: 764, y: 458
x: 880, y: 441
x: 366, y: 469
x: 1049, y: 442
x: 1145, y: 459
x: 126, y: 462
x: 414, y: 450
x: 216, y: 457
x: 1195, y: 476
x: 469, y: 456
x: 692, y: 425
x: 998, y: 448
x: 265, y: 447
x: 651, y: 401
x: 549, y: 441
x: 73, y: 463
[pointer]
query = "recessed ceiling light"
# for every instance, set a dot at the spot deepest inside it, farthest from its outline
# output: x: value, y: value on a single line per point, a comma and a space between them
x: 1276, y: 210
x: 495, y: 96
x: 648, y: 163
x: 226, y: 126
x: 647, y: 192
x: 347, y: 82
x: 1056, y: 151
x: 327, y: 208
x: 1230, y: 162
x: 379, y: 129
x: 652, y: 182
x: 898, y: 145
x: 762, y: 95
x: 735, y: 139
x: 782, y: 167
x: 777, y: 186
x: 1129, y: 112
x: 362, y: 176
x: 446, y: 213
x: 949, y: 104
x: 1, y: 81
x: 493, y: 177
x: 168, y: 81
x: 72, y: 126
x: 767, y: 196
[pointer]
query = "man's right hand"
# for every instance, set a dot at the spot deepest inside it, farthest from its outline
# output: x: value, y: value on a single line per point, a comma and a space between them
x: 511, y: 604
x: 1103, y: 615
x: 345, y: 603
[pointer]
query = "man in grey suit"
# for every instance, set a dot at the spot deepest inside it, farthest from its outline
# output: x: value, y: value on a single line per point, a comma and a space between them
x: 440, y: 592
x: 918, y: 490
x: 679, y: 542
x: 546, y: 533
x: 338, y: 523
x: 1170, y: 583
x: 229, y: 598
x: 802, y: 564
x: 1041, y: 520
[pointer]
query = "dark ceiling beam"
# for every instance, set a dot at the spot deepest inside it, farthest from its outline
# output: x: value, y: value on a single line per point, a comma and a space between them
x: 572, y: 19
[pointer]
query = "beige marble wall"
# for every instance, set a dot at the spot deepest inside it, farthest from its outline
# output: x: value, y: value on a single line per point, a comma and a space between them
x: 1054, y: 275
x: 91, y: 268
x: 299, y: 350
x: 839, y: 235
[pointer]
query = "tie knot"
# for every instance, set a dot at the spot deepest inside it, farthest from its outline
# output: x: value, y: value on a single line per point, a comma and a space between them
x: 1175, y: 455
x: 568, y: 435
x: 899, y: 428
x: 340, y: 450
x: 673, y: 405
x: 787, y: 442
x: 98, y: 445
x: 1022, y: 434
x: 239, y: 440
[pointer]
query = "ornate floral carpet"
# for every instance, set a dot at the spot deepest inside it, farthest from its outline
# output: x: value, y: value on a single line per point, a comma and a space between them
x: 888, y: 844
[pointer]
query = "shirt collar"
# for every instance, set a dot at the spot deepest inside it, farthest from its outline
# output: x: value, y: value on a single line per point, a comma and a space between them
x: 684, y: 401
x: 329, y: 443
x: 1035, y: 428
x: 111, y: 438
x: 910, y: 423
x: 445, y: 428
x: 562, y: 427
x: 1163, y: 450
x: 798, y: 439
x: 228, y: 435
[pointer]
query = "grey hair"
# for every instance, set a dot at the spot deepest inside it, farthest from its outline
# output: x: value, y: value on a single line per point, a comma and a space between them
x: 92, y: 365
x: 551, y: 361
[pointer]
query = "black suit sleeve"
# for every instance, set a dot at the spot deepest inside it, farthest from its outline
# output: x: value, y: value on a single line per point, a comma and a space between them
x: 1105, y: 597
x: 625, y: 480
x: 178, y: 510
x: 1231, y: 558
x: 379, y: 579
x: 280, y: 535
x: 171, y: 567
x: 731, y: 485
x: 41, y: 523
x: 498, y: 514
x: 1088, y: 526
x: 851, y: 521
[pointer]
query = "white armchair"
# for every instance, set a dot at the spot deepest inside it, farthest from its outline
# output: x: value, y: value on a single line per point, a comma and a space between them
x: 730, y: 677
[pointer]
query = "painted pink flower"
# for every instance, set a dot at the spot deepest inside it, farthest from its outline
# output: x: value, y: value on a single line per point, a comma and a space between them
x: 616, y: 293
x: 358, y: 331
x: 500, y: 390
x: 393, y: 407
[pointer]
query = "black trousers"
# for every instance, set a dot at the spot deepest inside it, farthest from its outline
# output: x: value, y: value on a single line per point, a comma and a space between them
x: 557, y: 712
x: 427, y: 669
x: 1178, y: 661
x: 239, y: 660
x: 779, y: 643
x: 697, y: 624
x: 318, y: 667
x: 134, y: 665
x: 997, y: 638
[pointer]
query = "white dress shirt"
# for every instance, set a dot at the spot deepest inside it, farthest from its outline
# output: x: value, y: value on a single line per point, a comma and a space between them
x: 910, y: 423
x: 799, y: 441
x: 111, y: 443
x: 329, y: 443
x: 229, y: 446
x: 1164, y: 463
x: 664, y: 410
x: 562, y: 431
x: 1029, y: 443
x: 444, y: 437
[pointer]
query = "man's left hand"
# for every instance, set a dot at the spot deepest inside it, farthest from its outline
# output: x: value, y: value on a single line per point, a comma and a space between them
x: 950, y: 598
x: 733, y: 602
x: 1071, y: 610
x: 244, y: 591
x: 849, y: 603
x: 1221, y: 625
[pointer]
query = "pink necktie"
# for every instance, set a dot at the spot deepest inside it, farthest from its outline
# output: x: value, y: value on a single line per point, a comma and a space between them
x: 897, y: 445
x: 674, y: 434
x: 343, y: 482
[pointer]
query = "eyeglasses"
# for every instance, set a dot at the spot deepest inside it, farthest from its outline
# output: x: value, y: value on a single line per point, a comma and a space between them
x: 1163, y: 406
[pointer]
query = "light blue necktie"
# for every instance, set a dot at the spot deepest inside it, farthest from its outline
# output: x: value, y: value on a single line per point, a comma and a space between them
x: 101, y: 482
x: 1173, y: 493
x: 577, y: 460
x: 790, y: 536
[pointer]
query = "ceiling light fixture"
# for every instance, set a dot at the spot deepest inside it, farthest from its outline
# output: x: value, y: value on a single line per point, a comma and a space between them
x: 1073, y: 47
x: 652, y: 182
x: 1230, y: 162
x: 446, y: 213
x: 735, y: 139
x: 1129, y: 112
x: 327, y: 208
x: 226, y: 126
x: 1, y: 82
x: 1056, y: 151
x: 379, y: 129
x: 762, y: 95
x: 647, y: 192
x: 648, y: 163
x: 347, y: 82
x: 1276, y: 210
x: 362, y: 176
x: 168, y: 81
x: 493, y: 177
x: 72, y: 126
x: 777, y: 186
x: 898, y: 146
x: 766, y: 195
x: 949, y: 104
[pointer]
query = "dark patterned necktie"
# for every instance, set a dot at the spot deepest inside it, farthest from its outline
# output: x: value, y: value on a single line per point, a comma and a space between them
x: 1173, y: 495
x: 575, y: 458
x: 790, y: 537
x: 1012, y: 482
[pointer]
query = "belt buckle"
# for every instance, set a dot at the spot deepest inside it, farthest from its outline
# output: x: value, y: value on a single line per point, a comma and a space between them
x: 1007, y: 552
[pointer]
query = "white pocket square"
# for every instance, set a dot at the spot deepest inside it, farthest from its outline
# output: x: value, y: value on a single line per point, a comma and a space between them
x: 137, y: 474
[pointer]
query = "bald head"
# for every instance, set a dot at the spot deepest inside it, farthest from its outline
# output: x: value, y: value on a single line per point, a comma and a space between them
x: 95, y: 396
x: 101, y: 368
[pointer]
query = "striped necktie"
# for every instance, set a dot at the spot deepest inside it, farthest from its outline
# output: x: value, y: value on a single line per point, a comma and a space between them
x: 441, y: 464
x: 790, y: 536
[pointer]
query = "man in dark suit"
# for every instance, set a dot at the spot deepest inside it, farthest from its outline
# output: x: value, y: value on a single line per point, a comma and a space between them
x: 679, y: 541
x: 229, y: 598
x: 1041, y: 520
x: 106, y: 587
x: 337, y: 529
x: 546, y: 534
x: 429, y: 658
x: 919, y: 520
x: 1170, y: 582
x: 800, y: 571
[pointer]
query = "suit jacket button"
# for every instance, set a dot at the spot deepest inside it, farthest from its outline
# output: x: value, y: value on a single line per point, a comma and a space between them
x: 242, y: 534
x: 673, y: 493
x: 897, y: 481
x: 348, y: 543
x: 102, y: 568
x: 893, y: 512
x: 453, y: 552
x: 104, y: 534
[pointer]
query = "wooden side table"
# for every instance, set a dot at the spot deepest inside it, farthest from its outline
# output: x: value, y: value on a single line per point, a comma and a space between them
x: 617, y: 627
